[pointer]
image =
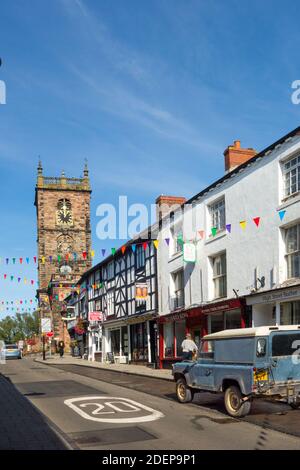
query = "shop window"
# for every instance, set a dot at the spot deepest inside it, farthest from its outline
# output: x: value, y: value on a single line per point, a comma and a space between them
x: 216, y: 322
x: 139, y: 342
x: 169, y: 339
x: 115, y: 342
x: 180, y: 336
x: 124, y: 342
x: 219, y: 276
x: 290, y: 313
x: 292, y: 243
x: 232, y: 319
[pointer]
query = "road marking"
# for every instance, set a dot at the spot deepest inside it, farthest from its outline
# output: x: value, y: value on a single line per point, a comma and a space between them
x: 111, y: 405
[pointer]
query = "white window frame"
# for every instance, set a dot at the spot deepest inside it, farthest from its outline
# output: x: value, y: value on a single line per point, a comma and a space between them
x: 291, y: 176
x: 219, y: 277
x: 217, y: 212
x: 291, y: 254
x: 110, y: 302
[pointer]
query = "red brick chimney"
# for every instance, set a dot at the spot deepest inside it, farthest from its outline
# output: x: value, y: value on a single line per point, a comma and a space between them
x: 166, y: 204
x: 235, y: 155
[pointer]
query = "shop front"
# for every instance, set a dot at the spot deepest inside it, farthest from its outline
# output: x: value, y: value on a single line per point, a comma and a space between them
x: 198, y: 321
x: 116, y: 345
x: 143, y: 339
x: 279, y: 306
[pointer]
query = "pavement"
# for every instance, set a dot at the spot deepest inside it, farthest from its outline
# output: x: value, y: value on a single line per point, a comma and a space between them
x: 93, y: 408
x: 22, y: 426
x: 164, y: 374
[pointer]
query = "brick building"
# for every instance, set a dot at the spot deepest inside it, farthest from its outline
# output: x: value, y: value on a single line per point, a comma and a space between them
x: 64, y: 241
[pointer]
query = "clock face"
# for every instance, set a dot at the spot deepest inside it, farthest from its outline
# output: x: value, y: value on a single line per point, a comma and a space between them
x: 64, y: 213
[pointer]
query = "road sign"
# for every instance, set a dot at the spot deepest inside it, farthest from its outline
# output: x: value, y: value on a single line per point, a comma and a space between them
x: 50, y: 334
x: 46, y: 325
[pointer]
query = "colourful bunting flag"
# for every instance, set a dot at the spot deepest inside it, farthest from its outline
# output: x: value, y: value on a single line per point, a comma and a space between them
x: 155, y: 243
x: 133, y: 247
x: 214, y: 231
x: 167, y: 240
x: 92, y: 253
x: 145, y: 245
x: 201, y: 233
x: 14, y: 260
x: 84, y: 254
x: 256, y: 220
x: 228, y: 228
x: 103, y: 252
x: 113, y: 251
x: 123, y: 249
x: 243, y: 224
x: 27, y: 260
x: 281, y: 215
x: 21, y: 260
x: 34, y: 259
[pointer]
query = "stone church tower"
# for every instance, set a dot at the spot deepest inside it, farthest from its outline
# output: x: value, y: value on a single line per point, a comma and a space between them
x: 64, y: 241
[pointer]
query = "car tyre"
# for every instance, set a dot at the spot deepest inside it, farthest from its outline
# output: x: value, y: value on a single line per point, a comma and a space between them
x: 234, y: 404
x: 183, y: 392
x: 295, y: 405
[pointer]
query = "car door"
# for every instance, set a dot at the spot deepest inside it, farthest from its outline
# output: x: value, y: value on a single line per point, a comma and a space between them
x: 202, y: 372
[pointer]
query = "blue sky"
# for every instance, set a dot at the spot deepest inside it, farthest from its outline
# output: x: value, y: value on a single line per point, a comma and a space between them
x: 150, y: 92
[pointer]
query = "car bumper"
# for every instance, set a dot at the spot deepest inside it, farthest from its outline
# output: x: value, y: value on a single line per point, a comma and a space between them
x: 289, y: 391
x: 13, y: 355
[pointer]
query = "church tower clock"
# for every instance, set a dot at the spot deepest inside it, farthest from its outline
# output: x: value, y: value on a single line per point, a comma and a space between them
x: 64, y: 241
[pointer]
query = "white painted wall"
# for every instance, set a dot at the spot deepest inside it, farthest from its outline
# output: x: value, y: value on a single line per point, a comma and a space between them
x: 255, y: 192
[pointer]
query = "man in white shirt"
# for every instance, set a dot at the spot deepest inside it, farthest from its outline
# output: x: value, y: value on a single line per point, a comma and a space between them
x: 188, y: 347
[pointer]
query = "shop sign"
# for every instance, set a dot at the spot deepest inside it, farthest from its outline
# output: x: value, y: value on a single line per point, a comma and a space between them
x: 189, y: 252
x: 282, y: 295
x: 95, y: 316
x: 46, y: 325
x: 141, y: 291
x: 174, y: 317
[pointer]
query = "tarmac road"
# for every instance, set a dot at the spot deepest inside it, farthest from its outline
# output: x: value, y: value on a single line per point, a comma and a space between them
x: 94, y: 414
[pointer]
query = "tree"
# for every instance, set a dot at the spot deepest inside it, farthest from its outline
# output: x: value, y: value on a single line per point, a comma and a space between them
x: 22, y: 326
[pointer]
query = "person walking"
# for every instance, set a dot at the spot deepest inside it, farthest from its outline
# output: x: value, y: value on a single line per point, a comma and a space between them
x: 61, y: 347
x: 188, y: 347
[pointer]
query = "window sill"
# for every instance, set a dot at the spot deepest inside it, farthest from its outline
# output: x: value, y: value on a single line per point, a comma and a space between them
x: 289, y: 200
x: 220, y: 234
x: 176, y: 256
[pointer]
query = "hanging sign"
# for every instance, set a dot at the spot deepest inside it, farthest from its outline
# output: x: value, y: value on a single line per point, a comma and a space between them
x: 189, y: 252
x: 141, y: 291
x: 46, y: 325
x: 95, y: 316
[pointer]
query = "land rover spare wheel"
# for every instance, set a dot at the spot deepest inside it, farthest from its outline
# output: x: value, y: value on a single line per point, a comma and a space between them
x: 183, y: 392
x: 234, y: 404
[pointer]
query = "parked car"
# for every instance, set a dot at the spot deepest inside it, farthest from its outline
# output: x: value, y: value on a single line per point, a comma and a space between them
x: 244, y: 364
x: 12, y: 351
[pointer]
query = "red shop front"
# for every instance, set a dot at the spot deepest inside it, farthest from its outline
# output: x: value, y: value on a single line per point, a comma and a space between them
x: 198, y: 321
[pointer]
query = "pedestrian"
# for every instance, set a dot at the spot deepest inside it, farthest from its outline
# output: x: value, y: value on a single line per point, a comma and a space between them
x: 189, y: 348
x: 61, y: 347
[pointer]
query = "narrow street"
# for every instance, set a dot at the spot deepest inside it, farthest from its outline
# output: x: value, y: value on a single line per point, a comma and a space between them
x: 94, y: 409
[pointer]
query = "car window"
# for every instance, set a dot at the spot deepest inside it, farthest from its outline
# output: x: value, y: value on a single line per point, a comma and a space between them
x: 11, y: 346
x: 206, y: 350
x: 261, y: 346
x: 285, y: 344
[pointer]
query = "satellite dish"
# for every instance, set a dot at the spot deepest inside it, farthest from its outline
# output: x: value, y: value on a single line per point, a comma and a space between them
x: 66, y: 269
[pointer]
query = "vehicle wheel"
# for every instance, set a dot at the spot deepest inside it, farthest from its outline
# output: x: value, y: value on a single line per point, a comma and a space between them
x: 183, y: 392
x: 295, y: 405
x: 233, y: 402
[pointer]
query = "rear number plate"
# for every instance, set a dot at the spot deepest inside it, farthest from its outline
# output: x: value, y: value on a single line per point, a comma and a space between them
x: 261, y: 376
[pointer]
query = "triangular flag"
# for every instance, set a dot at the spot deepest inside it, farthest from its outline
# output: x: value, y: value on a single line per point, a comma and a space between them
x: 92, y: 253
x: 21, y: 260
x: 34, y: 259
x: 11, y: 278
x: 103, y: 252
x: 213, y: 231
x: 133, y: 247
x: 228, y: 228
x: 167, y: 240
x: 281, y: 214
x: 5, y: 276
x: 243, y: 224
x: 256, y: 220
x: 201, y: 233
x: 19, y: 279
x: 155, y: 243
x: 27, y: 260
x: 14, y: 260
x: 123, y: 249
x: 145, y: 244
x: 58, y: 258
x: 43, y: 259
x: 180, y: 239
x: 84, y: 254
x: 113, y: 251
x: 7, y: 260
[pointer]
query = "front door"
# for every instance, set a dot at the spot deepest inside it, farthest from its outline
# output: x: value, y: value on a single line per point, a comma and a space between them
x: 202, y: 375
